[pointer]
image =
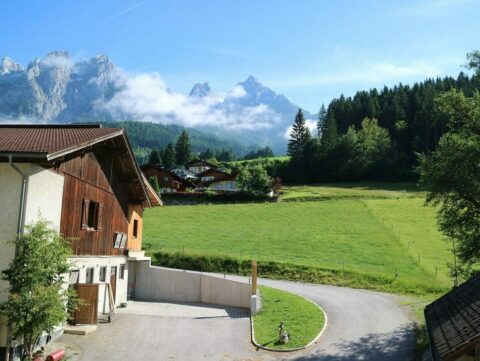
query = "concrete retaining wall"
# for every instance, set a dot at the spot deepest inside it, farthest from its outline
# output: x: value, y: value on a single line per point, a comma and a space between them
x: 164, y: 284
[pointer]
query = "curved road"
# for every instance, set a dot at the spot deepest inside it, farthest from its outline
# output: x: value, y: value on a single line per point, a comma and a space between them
x: 362, y: 325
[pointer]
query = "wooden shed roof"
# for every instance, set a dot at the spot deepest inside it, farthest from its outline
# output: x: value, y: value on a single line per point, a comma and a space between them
x: 453, y: 321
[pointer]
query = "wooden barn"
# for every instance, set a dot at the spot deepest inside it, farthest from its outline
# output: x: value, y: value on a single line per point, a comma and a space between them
x: 86, y: 182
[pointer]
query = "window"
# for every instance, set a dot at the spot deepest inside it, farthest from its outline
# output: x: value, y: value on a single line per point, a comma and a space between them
x: 103, y: 274
x: 92, y: 215
x: 135, y: 228
x: 90, y: 274
x: 207, y: 179
x: 122, y: 271
x: 165, y: 179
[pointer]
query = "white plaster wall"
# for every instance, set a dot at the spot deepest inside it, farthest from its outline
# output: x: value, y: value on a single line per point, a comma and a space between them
x: 44, y: 193
x: 44, y: 196
x: 164, y: 284
x: 82, y: 263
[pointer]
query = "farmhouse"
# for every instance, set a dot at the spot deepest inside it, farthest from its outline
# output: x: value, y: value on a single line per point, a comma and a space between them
x: 86, y: 182
x: 167, y: 180
x: 453, y: 324
x: 218, y: 180
x: 198, y: 166
x: 185, y: 174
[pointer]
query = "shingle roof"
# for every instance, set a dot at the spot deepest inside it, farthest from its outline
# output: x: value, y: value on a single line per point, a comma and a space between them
x: 48, y: 139
x: 453, y: 321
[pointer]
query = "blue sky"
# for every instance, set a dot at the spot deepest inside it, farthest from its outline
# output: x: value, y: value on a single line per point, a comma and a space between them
x: 309, y: 50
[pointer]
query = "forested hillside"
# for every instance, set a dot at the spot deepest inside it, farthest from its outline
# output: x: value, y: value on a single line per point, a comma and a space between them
x: 145, y: 136
x: 374, y: 135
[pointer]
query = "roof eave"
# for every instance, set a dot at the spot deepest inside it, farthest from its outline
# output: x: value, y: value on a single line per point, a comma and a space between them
x: 66, y: 151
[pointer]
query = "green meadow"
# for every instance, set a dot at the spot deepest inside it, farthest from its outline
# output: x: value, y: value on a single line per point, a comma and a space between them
x: 376, y: 231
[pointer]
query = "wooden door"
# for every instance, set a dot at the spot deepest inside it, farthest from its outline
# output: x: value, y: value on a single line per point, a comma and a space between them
x: 113, y: 282
x: 88, y: 311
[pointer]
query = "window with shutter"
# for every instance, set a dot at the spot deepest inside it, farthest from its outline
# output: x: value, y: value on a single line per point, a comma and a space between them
x: 99, y: 217
x: 86, y: 206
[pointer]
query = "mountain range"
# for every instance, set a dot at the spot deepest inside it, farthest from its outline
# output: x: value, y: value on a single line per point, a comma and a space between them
x: 56, y: 89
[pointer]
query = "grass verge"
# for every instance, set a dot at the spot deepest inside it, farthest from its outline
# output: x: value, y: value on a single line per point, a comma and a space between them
x: 302, y: 319
x: 293, y: 272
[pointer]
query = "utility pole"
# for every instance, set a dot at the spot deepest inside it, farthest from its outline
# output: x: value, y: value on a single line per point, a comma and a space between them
x: 254, y: 277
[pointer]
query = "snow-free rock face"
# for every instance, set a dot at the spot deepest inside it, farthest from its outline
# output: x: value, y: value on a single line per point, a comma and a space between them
x: 55, y: 88
x: 201, y: 90
x: 9, y: 66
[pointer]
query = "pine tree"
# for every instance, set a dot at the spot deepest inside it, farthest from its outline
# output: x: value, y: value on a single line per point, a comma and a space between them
x: 322, y: 118
x: 329, y: 131
x: 299, y: 136
x: 154, y: 157
x: 183, y: 149
x: 169, y: 157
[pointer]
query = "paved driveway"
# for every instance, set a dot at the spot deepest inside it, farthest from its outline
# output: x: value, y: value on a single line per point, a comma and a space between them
x: 167, y: 331
x: 362, y: 325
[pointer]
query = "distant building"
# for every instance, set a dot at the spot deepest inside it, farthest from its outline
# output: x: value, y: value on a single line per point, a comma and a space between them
x: 218, y: 180
x: 453, y: 324
x: 167, y: 180
x: 199, y: 166
x: 184, y: 173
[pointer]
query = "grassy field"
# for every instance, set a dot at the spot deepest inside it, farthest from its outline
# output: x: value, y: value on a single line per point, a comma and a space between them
x: 302, y: 319
x: 341, y: 191
x: 373, y: 230
x: 259, y: 160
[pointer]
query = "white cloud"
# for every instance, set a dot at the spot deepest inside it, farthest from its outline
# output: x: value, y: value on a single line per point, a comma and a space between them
x: 237, y: 92
x: 367, y: 74
x: 311, y: 125
x: 57, y: 61
x: 146, y: 97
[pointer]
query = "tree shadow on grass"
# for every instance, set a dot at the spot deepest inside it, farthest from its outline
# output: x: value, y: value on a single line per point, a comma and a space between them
x: 398, y: 345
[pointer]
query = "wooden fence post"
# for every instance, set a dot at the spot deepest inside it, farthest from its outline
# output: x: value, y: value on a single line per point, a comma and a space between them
x: 254, y: 277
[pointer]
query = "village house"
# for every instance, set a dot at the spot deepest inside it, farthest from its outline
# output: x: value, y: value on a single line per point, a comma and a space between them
x: 453, y: 324
x: 198, y: 166
x: 218, y: 180
x: 185, y: 174
x: 86, y: 182
x: 167, y: 180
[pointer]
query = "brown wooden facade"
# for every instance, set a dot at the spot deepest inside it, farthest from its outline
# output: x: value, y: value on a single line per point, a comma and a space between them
x: 166, y: 179
x: 89, y: 178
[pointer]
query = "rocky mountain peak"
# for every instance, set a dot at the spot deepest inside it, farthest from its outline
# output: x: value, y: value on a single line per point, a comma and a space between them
x: 201, y: 90
x: 8, y: 66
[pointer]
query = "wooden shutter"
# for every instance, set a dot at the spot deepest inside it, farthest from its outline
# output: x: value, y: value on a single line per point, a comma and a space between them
x: 86, y: 204
x: 99, y: 217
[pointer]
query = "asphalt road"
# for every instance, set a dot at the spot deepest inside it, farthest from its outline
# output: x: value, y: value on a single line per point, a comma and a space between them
x: 362, y: 325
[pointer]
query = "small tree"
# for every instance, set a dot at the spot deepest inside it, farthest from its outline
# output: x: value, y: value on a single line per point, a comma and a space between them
x: 154, y: 182
x: 38, y: 301
x: 255, y: 180
x: 299, y: 137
